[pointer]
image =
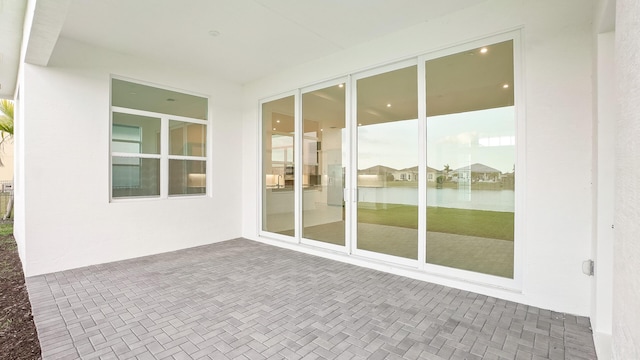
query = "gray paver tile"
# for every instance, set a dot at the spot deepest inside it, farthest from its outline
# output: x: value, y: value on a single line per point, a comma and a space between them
x: 244, y: 300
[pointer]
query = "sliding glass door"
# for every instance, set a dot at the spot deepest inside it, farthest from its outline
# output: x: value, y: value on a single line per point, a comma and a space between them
x: 387, y: 163
x: 412, y: 163
x: 471, y: 160
x: 278, y: 199
x: 324, y: 164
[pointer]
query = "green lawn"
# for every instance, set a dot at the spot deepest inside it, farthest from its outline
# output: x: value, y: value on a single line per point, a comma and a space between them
x: 481, y: 223
x: 6, y: 229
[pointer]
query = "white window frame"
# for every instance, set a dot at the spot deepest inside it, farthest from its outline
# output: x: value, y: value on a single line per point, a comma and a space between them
x: 412, y: 267
x: 262, y: 186
x: 164, y: 155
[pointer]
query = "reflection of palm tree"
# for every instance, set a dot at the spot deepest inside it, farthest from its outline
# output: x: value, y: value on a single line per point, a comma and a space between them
x: 446, y: 170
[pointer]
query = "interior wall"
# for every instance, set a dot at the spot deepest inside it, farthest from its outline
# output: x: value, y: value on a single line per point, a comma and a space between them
x: 557, y: 207
x: 626, y: 284
x: 66, y: 167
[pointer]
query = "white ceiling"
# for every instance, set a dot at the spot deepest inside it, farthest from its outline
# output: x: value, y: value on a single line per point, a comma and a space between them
x: 256, y: 37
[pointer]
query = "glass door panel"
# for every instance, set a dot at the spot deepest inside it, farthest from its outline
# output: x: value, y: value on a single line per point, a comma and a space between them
x: 278, y: 166
x: 387, y: 158
x: 471, y: 160
x: 324, y: 154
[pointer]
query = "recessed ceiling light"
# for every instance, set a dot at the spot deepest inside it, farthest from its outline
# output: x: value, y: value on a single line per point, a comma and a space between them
x: 278, y: 121
x: 388, y: 105
x: 359, y: 124
x: 214, y: 33
x: 505, y: 86
x: 274, y: 129
x: 341, y: 85
x: 321, y: 129
x: 484, y: 50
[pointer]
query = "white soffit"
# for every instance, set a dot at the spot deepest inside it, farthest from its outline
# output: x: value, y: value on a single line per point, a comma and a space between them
x: 11, y: 25
x: 46, y: 23
x: 252, y: 38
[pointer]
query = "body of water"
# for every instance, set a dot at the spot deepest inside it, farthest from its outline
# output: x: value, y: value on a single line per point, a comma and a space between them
x: 494, y: 200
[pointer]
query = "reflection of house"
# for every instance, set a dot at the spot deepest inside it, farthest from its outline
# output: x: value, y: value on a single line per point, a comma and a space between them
x: 377, y: 170
x: 432, y: 174
x: 375, y: 176
x: 508, y: 180
x: 408, y: 174
x: 477, y: 172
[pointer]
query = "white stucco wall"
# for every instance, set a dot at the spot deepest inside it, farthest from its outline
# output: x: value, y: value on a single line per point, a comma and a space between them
x: 69, y: 219
x: 19, y: 226
x: 626, y: 285
x: 557, y: 42
x: 604, y: 194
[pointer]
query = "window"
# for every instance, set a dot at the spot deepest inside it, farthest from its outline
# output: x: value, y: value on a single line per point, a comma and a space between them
x: 158, y: 142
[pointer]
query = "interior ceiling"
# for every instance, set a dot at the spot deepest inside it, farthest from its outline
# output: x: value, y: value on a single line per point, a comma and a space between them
x: 470, y: 80
x: 142, y: 97
x: 253, y: 38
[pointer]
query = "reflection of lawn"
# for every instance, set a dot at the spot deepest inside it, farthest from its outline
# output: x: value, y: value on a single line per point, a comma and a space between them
x: 481, y: 223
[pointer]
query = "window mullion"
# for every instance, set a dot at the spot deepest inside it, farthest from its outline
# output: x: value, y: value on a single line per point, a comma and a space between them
x: 187, y: 157
x: 164, y: 157
x: 422, y: 167
x: 136, y: 155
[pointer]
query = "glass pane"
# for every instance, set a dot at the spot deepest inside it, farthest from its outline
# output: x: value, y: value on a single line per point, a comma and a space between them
x: 187, y: 177
x: 471, y: 160
x: 135, y: 134
x: 131, y: 177
x: 126, y: 132
x: 278, y: 166
x: 125, y: 147
x: 142, y: 97
x: 388, y: 163
x: 324, y: 158
x: 187, y: 138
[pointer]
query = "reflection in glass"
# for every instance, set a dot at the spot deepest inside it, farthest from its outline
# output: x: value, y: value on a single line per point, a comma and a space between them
x: 187, y: 138
x: 143, y: 97
x: 135, y: 177
x: 278, y: 166
x: 187, y: 177
x: 324, y: 158
x: 135, y: 134
x: 471, y: 160
x: 387, y: 111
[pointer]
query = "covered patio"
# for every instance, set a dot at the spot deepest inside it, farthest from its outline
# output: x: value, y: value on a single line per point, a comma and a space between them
x: 241, y: 299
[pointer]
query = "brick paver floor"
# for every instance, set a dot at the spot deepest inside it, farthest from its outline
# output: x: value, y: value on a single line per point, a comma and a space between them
x: 244, y: 300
